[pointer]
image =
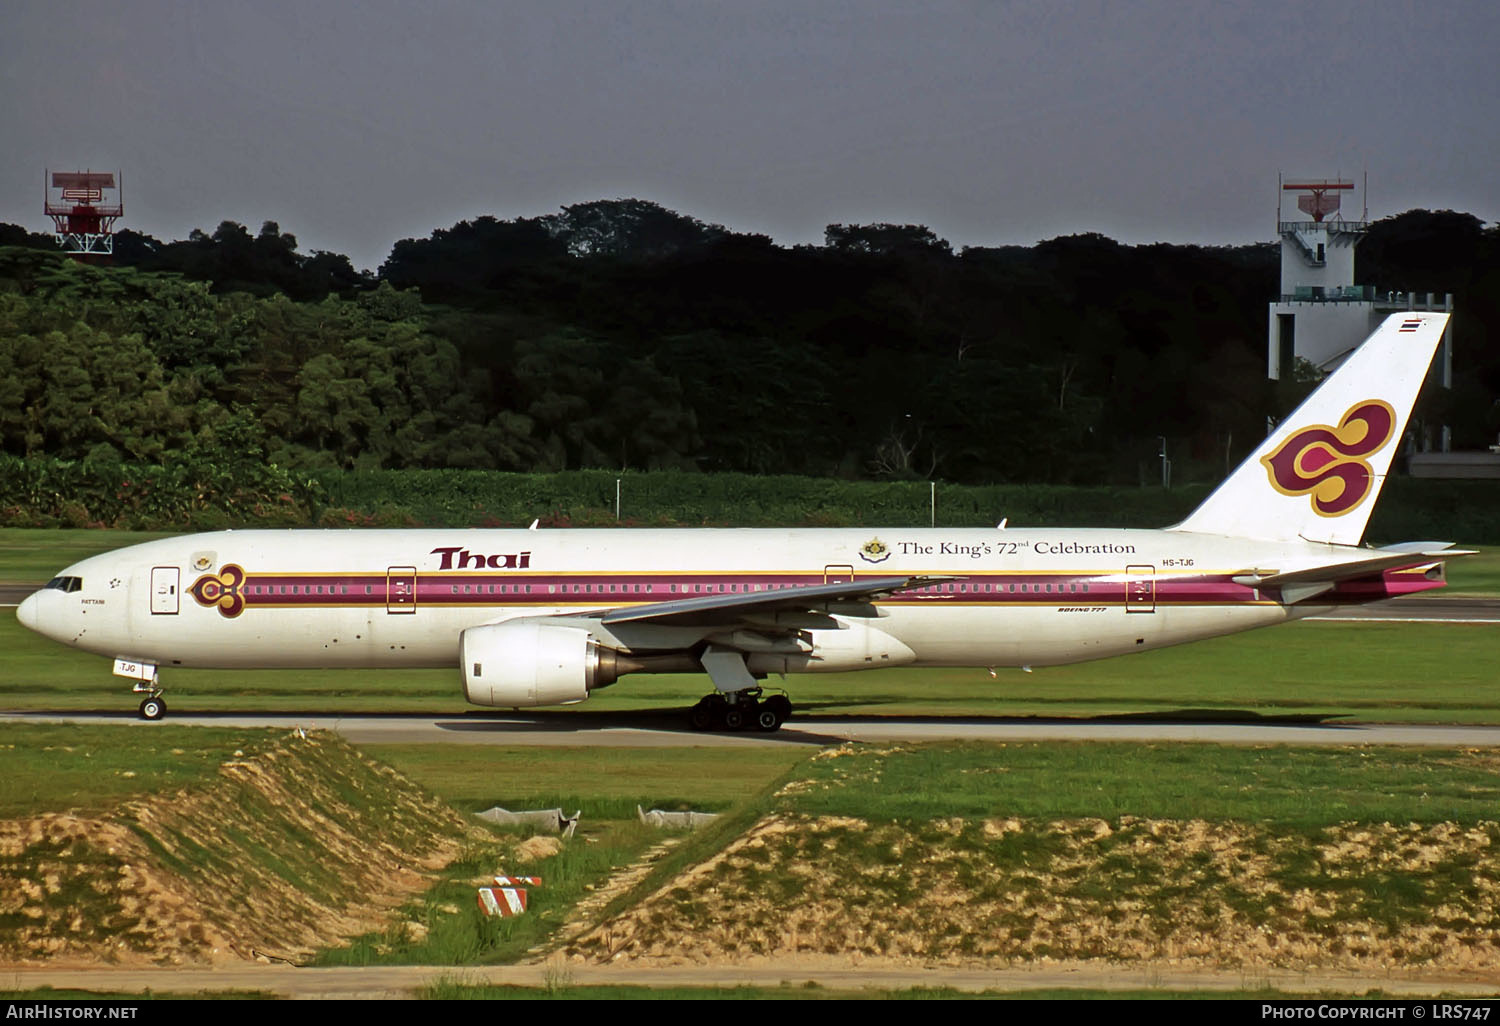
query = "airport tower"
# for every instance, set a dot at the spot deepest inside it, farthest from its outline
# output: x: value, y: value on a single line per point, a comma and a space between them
x: 84, y: 206
x: 1320, y: 314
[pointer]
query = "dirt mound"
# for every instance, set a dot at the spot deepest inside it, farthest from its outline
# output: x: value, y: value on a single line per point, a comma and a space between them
x: 292, y: 849
x: 1001, y: 891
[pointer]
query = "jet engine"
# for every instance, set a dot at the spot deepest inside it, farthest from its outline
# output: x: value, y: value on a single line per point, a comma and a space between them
x: 529, y: 662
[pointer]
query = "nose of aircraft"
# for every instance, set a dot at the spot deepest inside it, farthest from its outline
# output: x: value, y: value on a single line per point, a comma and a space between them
x: 26, y: 611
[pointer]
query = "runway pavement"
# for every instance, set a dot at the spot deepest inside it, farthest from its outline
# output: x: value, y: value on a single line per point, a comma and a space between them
x: 632, y: 730
x: 1423, y: 608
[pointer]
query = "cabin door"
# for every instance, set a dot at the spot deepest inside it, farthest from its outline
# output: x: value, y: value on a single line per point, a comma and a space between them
x: 164, y: 581
x: 401, y: 589
x: 1140, y: 589
x: 838, y: 574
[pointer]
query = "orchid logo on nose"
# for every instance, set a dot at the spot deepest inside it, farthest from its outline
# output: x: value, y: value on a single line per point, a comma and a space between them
x: 221, y: 589
x: 1330, y: 463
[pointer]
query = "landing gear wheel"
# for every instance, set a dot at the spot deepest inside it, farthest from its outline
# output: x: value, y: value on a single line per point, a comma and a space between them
x: 701, y: 717
x: 735, y: 718
x: 782, y: 705
x: 768, y: 717
x: 153, y: 708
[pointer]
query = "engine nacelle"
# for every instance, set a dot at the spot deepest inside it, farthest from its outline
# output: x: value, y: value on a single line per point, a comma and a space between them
x: 531, y: 662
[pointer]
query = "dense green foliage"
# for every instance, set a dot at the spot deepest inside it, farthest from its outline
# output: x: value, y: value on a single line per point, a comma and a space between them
x: 216, y: 490
x: 617, y: 334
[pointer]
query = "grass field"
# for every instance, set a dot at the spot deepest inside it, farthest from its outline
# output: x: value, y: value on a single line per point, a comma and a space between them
x: 1297, y: 801
x: 36, y: 555
x: 1388, y: 672
x: 1290, y: 788
x: 86, y: 767
x: 1361, y: 856
x: 602, y: 782
x: 1477, y: 575
x: 47, y: 768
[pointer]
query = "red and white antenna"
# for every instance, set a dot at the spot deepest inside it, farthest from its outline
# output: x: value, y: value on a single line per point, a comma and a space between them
x: 1319, y: 198
x: 84, y: 206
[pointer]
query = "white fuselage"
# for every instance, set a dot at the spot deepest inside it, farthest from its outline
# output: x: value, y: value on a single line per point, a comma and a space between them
x: 402, y: 598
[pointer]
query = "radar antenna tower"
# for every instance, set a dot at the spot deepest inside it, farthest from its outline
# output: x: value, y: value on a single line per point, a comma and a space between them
x: 84, y: 206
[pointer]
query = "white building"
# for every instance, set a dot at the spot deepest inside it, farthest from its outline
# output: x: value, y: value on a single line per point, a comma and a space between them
x: 1321, y: 315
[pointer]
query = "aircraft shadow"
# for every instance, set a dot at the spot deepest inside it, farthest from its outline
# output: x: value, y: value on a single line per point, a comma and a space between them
x: 1215, y: 717
x: 668, y: 721
x: 675, y: 721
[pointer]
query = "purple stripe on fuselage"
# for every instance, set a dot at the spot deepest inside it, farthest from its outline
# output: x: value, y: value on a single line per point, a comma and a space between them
x: 1029, y: 589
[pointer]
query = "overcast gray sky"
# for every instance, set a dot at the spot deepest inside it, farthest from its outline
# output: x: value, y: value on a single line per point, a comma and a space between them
x: 357, y: 124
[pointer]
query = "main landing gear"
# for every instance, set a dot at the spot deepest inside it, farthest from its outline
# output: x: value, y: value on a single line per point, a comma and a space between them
x: 740, y: 710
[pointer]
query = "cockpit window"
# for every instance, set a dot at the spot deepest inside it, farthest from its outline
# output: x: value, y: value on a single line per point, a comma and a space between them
x: 65, y: 584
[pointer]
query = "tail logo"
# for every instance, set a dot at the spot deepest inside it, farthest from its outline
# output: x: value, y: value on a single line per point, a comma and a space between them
x: 1330, y: 463
x: 221, y: 589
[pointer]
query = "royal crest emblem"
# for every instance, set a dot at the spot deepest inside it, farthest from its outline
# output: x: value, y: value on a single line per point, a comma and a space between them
x: 874, y: 551
x: 1331, y: 463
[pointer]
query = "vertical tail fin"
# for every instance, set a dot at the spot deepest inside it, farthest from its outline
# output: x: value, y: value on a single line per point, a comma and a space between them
x: 1317, y: 476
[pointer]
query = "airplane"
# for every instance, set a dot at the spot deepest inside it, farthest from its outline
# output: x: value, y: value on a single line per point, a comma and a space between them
x: 547, y: 617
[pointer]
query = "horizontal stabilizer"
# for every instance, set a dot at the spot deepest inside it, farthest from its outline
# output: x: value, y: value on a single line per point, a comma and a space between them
x: 1394, y: 557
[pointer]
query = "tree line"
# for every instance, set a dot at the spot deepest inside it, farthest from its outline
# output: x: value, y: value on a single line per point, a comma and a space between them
x: 621, y: 335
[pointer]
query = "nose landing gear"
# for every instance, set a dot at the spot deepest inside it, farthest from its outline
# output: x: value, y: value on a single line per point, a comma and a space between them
x: 153, y: 706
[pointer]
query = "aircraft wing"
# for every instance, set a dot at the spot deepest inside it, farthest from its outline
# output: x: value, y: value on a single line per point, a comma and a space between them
x: 727, y: 609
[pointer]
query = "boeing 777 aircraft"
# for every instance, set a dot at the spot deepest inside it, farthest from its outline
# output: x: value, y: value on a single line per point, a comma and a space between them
x: 535, y: 618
